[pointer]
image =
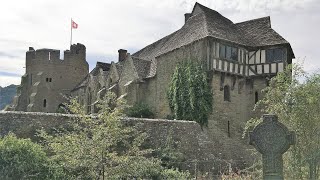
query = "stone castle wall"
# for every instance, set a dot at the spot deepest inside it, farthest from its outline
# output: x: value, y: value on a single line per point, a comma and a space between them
x: 228, y: 118
x: 200, y: 151
x: 48, y: 78
x: 154, y: 93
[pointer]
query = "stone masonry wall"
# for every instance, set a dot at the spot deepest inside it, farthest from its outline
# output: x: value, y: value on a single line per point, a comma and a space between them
x: 166, y: 64
x: 48, y: 78
x: 200, y: 151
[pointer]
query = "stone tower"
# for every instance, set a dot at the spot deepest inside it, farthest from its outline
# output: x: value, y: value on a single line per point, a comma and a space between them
x: 49, y: 79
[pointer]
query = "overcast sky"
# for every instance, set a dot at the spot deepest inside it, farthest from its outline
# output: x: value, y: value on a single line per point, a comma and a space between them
x: 106, y: 26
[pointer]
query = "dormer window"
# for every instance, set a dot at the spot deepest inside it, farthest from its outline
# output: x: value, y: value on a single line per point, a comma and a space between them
x: 275, y: 55
x: 228, y: 52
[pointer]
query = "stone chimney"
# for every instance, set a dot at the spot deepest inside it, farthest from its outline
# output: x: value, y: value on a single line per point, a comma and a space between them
x: 122, y: 54
x: 186, y: 17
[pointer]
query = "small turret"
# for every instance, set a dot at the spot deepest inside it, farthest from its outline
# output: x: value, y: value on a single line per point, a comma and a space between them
x: 30, y: 56
x: 77, y: 48
x: 77, y: 51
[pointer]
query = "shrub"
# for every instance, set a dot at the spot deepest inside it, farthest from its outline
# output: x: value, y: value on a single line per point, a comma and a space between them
x: 23, y: 159
x: 140, y: 110
x: 103, y: 147
x: 174, y: 174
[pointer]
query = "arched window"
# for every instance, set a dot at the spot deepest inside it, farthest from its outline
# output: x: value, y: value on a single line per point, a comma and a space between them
x: 226, y: 93
x: 256, y: 97
x: 44, y: 103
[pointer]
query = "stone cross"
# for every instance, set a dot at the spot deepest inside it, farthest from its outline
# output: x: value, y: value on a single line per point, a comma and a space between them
x: 271, y: 138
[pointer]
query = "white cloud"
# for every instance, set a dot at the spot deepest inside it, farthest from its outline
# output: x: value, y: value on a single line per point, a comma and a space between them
x: 7, y: 80
x: 106, y: 26
x: 12, y: 65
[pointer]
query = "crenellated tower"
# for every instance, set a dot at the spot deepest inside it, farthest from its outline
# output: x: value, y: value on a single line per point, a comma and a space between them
x: 49, y: 79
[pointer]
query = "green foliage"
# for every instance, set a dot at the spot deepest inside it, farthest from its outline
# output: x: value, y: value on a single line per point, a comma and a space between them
x: 62, y: 109
x: 189, y: 94
x: 168, y: 153
x: 7, y: 94
x: 297, y: 106
x: 102, y: 147
x: 139, y: 110
x: 23, y: 159
x: 174, y: 174
x: 250, y: 125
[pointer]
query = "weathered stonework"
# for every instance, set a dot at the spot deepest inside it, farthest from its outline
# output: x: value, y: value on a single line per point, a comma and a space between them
x: 48, y: 79
x: 239, y: 58
x: 272, y: 139
x: 195, y: 145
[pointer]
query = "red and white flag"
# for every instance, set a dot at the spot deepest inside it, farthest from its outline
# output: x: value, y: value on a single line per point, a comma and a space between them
x: 74, y: 25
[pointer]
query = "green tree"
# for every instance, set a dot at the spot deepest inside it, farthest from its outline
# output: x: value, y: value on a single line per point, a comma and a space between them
x: 23, y: 159
x: 102, y: 147
x: 297, y: 106
x: 189, y: 93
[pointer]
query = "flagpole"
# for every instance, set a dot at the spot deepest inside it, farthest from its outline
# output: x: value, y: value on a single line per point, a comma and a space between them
x: 71, y: 32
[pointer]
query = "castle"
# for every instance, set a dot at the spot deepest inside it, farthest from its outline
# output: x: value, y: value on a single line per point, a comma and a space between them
x: 48, y: 79
x: 240, y: 58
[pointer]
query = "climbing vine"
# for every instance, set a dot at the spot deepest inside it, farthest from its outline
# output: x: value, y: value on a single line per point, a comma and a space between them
x: 189, y: 93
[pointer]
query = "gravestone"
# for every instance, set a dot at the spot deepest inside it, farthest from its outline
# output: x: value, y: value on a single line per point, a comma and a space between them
x: 271, y: 138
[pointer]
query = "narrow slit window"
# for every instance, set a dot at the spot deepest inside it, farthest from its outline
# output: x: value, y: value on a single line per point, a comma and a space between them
x: 222, y: 77
x: 44, y: 103
x: 30, y: 79
x: 256, y: 97
x: 234, y: 80
x: 226, y: 93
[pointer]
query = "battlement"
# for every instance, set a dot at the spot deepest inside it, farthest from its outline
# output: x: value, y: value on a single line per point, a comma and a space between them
x: 77, y: 51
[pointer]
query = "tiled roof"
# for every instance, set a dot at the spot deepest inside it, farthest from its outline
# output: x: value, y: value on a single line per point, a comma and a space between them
x: 205, y: 22
x: 258, y: 32
x: 103, y: 66
x: 142, y: 67
x: 100, y: 65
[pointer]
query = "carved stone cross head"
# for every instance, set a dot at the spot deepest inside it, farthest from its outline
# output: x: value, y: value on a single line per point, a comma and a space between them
x: 271, y: 138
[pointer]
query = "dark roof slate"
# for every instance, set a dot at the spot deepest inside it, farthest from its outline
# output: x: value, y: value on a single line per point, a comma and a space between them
x: 192, y: 31
x: 205, y: 22
x: 142, y: 66
x: 100, y: 65
x: 103, y: 66
x: 258, y: 32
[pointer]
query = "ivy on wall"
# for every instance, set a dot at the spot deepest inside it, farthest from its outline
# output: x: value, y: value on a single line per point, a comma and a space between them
x: 189, y: 93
